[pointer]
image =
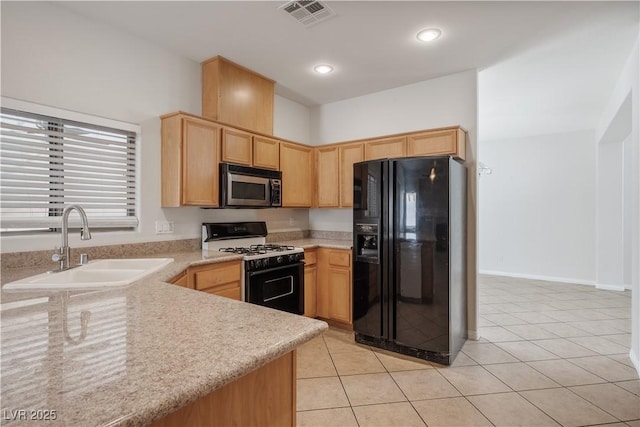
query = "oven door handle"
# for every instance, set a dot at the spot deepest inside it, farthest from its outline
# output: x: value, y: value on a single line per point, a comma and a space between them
x: 269, y: 270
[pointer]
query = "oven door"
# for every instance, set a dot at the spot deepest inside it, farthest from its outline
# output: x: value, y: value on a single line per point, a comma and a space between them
x: 247, y: 190
x: 281, y: 288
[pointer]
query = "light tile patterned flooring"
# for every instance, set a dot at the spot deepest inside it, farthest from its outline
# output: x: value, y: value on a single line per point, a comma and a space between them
x: 550, y: 354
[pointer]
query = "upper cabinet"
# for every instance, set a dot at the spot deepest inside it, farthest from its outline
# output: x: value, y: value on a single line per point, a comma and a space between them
x: 334, y: 165
x: 266, y: 152
x: 328, y: 182
x: 296, y: 164
x: 190, y: 158
x: 439, y: 142
x: 245, y: 148
x: 237, y: 146
x: 349, y: 154
x: 385, y: 148
x: 236, y: 95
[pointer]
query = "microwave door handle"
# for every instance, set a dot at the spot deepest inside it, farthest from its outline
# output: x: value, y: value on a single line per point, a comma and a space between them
x: 275, y: 197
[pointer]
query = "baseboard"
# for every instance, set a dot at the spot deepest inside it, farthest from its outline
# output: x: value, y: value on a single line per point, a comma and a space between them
x: 606, y: 287
x: 635, y: 360
x: 538, y: 277
x: 473, y: 335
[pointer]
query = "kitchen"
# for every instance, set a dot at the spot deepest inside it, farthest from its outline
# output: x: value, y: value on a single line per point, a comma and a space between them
x: 89, y: 71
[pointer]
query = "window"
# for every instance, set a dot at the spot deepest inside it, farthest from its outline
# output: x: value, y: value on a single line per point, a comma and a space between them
x: 48, y: 163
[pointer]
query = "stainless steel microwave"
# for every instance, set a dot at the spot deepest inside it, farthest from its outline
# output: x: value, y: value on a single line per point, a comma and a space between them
x: 246, y: 187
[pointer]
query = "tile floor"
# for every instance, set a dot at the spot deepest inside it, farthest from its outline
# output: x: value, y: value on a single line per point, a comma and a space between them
x: 551, y: 354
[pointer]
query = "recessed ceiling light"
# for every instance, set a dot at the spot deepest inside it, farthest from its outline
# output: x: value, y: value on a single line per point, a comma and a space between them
x: 429, y: 34
x: 323, y: 69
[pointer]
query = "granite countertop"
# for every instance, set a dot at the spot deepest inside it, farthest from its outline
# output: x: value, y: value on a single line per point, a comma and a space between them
x: 131, y: 355
x: 310, y: 243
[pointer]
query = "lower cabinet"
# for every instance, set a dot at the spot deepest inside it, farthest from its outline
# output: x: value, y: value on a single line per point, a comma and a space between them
x: 264, y: 397
x: 334, y: 285
x: 221, y: 279
x: 310, y: 283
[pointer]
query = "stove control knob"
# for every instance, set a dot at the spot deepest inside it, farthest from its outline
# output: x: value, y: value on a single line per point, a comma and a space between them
x: 280, y: 259
x: 257, y: 263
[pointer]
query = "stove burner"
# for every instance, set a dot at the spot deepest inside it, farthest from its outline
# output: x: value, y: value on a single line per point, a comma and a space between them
x: 244, y: 251
x: 257, y: 249
x: 272, y: 247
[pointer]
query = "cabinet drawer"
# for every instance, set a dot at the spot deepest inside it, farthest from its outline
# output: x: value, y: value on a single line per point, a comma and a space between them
x: 340, y: 258
x: 310, y: 257
x: 229, y: 290
x: 209, y: 276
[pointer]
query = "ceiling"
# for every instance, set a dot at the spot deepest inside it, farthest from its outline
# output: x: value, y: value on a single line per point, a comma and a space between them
x: 538, y: 60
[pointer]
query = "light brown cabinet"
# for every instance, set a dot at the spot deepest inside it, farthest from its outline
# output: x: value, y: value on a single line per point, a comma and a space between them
x: 434, y: 143
x: 264, y: 397
x: 221, y: 279
x: 349, y: 154
x: 236, y: 95
x: 181, y: 280
x: 296, y: 164
x: 310, y: 283
x: 266, y: 152
x: 245, y: 148
x: 190, y: 158
x: 327, y: 163
x: 237, y: 146
x: 385, y: 148
x: 334, y: 285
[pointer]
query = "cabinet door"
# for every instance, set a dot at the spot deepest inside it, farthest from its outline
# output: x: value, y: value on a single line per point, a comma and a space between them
x: 218, y: 278
x: 200, y: 159
x: 237, y: 147
x: 296, y: 164
x: 328, y: 177
x: 181, y: 280
x: 310, y: 289
x: 266, y: 152
x: 386, y: 148
x: 444, y: 142
x: 334, y: 285
x: 322, y: 282
x: 349, y: 154
x: 340, y: 294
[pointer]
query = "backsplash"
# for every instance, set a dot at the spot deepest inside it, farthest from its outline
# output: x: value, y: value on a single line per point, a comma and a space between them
x: 333, y: 235
x: 37, y: 258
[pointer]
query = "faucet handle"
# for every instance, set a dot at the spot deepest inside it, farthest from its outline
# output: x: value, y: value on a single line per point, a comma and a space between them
x: 84, y: 258
x: 58, y: 255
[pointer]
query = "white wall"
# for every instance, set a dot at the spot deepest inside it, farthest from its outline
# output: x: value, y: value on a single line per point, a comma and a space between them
x: 291, y: 120
x: 610, y: 216
x: 537, y: 216
x: 445, y: 101
x: 628, y: 87
x: 53, y: 57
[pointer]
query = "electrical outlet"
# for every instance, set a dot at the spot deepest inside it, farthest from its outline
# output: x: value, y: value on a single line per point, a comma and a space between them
x: 164, y: 227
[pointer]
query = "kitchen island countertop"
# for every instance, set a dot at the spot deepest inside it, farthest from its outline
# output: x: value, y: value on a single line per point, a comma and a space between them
x: 131, y: 355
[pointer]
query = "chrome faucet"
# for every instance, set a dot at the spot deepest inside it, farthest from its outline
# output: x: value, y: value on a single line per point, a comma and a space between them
x: 62, y: 255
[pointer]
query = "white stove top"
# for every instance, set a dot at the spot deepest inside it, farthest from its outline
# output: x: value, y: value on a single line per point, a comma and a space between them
x: 251, y: 248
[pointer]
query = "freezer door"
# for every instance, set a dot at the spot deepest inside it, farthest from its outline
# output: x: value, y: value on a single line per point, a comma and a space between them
x: 420, y: 223
x: 367, y: 252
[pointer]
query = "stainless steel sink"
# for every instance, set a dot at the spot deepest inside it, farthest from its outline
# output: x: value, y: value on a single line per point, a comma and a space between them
x: 96, y: 274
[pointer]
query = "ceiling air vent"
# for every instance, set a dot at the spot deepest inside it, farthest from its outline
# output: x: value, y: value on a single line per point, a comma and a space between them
x: 308, y: 12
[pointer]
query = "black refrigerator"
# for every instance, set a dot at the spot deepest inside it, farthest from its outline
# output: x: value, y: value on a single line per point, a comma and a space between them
x: 409, y: 252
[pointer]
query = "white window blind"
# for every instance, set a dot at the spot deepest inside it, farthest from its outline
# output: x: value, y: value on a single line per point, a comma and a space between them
x: 48, y: 163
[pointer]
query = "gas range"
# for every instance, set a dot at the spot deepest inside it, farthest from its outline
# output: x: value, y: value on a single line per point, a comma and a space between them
x: 249, y: 239
x: 261, y: 256
x: 273, y: 275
